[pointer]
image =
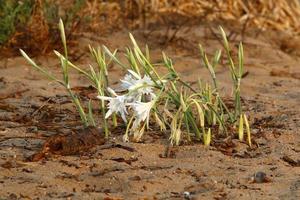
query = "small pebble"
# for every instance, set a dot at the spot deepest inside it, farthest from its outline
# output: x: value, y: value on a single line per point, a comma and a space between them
x: 259, y: 177
x: 187, y: 195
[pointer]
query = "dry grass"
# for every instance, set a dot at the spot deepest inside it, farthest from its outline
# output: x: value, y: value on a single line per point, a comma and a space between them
x: 104, y: 16
x: 281, y: 15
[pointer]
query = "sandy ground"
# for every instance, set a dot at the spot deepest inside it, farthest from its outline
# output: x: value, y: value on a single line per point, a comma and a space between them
x: 32, y: 109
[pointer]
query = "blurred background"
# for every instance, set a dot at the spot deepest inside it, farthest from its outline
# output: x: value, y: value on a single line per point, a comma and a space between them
x: 32, y: 24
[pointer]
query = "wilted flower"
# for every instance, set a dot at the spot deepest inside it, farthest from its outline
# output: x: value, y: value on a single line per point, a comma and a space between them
x: 116, y: 104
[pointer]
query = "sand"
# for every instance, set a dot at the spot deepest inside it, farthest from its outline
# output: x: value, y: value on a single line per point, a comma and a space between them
x: 32, y: 109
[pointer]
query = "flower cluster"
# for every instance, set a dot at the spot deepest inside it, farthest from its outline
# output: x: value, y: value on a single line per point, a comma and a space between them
x: 140, y: 99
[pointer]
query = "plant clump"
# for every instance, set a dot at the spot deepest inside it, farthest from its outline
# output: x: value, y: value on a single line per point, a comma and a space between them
x: 147, y: 99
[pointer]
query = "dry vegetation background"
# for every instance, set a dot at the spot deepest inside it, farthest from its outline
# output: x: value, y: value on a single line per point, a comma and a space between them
x: 32, y: 24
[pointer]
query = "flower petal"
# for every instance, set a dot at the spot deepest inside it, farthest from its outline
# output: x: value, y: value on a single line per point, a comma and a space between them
x: 134, y: 74
x: 104, y: 98
x: 111, y: 91
x: 109, y: 112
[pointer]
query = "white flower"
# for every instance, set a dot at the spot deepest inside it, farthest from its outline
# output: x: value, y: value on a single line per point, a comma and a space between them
x: 141, y: 112
x: 128, y: 81
x: 138, y: 86
x: 116, y: 104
